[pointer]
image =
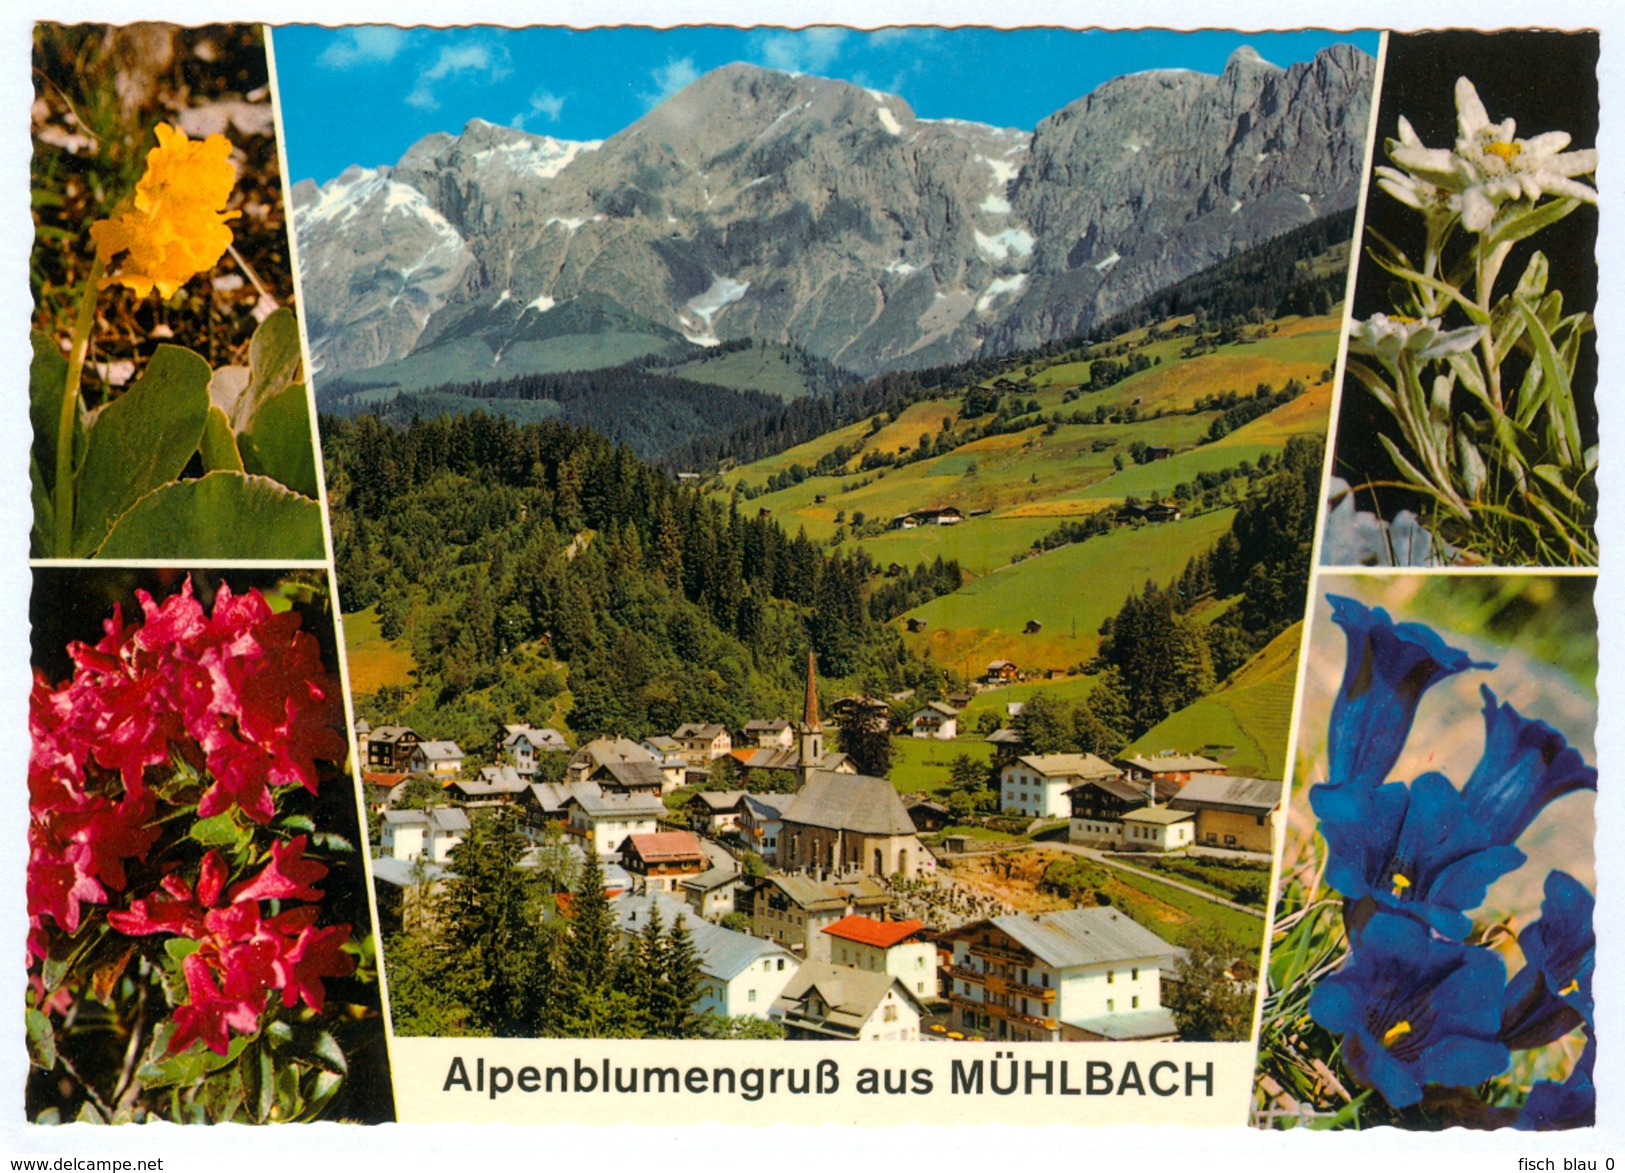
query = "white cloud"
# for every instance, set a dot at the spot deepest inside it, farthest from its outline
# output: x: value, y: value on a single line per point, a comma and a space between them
x: 811, y: 50
x: 669, y: 78
x: 372, y: 44
x: 473, y: 57
x: 543, y: 104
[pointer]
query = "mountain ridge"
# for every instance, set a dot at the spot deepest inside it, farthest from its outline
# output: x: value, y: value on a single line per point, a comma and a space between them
x: 813, y: 212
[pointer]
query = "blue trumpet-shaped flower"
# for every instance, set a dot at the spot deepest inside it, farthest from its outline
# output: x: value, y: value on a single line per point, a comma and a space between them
x: 1415, y: 849
x: 1570, y: 1104
x: 1552, y: 993
x: 1390, y: 665
x: 1414, y: 1010
x: 1526, y: 764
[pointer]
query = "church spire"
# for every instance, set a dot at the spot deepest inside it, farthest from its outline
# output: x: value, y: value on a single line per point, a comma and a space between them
x: 809, y: 710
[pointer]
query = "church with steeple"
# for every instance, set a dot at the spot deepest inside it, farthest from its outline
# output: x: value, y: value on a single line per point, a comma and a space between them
x: 809, y: 730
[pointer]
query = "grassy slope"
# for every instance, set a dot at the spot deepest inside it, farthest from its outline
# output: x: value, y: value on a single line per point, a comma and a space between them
x: 373, y: 660
x: 1252, y: 713
x: 761, y: 368
x: 922, y: 764
x: 1070, y: 591
x: 1028, y: 479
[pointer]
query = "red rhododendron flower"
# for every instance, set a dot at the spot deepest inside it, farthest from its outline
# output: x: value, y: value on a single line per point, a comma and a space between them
x: 288, y: 876
x: 209, y: 1012
x: 318, y: 954
x: 239, y: 695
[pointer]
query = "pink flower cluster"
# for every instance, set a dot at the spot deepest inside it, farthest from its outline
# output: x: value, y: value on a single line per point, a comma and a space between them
x: 240, y: 698
x: 242, y: 954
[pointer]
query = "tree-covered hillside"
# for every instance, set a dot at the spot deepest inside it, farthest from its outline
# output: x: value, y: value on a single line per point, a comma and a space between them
x: 521, y: 561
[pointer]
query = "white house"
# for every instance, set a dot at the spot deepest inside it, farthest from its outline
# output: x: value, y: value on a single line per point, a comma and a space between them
x: 711, y: 893
x: 935, y: 720
x: 1085, y: 973
x: 700, y: 743
x: 1036, y: 785
x: 770, y: 734
x: 834, y: 1002
x: 760, y: 824
x: 1158, y: 828
x: 896, y: 947
x: 523, y: 744
x: 429, y: 834
x: 606, y: 818
x: 739, y: 974
x: 442, y: 759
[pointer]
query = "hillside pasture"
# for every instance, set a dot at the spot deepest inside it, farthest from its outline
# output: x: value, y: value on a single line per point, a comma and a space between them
x: 373, y: 660
x: 1253, y: 713
x: 1070, y: 591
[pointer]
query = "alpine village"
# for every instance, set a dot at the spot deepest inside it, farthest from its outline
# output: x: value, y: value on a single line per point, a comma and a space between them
x: 716, y: 680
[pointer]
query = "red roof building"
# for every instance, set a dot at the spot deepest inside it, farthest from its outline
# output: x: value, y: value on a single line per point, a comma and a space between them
x: 882, y: 934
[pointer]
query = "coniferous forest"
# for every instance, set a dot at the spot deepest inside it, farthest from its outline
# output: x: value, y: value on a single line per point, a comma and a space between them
x: 476, y: 537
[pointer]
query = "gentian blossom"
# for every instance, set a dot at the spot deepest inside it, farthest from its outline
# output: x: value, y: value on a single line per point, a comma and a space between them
x: 1414, y: 1010
x: 1415, y: 849
x: 1526, y: 764
x: 1389, y: 666
x: 1432, y: 851
x: 1570, y: 1104
x: 1552, y: 993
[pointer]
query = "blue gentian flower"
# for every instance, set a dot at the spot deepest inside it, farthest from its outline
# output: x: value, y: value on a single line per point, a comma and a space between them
x: 1552, y: 993
x: 1416, y: 849
x: 1414, y: 1010
x: 1526, y: 764
x: 1570, y: 1104
x: 1390, y: 665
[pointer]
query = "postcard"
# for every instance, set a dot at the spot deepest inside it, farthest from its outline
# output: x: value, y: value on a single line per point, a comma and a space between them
x: 734, y: 575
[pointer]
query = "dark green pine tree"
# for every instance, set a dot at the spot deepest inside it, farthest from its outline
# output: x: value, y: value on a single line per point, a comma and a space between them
x: 672, y: 1014
x: 585, y: 1002
x: 493, y: 941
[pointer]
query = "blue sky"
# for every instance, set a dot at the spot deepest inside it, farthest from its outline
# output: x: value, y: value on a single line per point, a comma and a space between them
x: 365, y: 94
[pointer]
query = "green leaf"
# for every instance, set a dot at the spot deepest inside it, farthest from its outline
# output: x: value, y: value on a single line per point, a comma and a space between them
x: 219, y: 446
x: 180, y: 948
x: 332, y: 841
x: 39, y: 542
x: 1533, y: 282
x: 47, y: 378
x: 219, y: 515
x: 273, y: 366
x: 223, y: 1095
x: 1559, y: 395
x: 1526, y: 225
x: 88, y: 1114
x: 1474, y: 473
x: 322, y: 1090
x: 41, y: 1039
x: 297, y: 823
x: 187, y: 1068
x: 140, y: 441
x: 259, y: 1082
x: 320, y: 1049
x: 279, y: 444
x: 218, y: 830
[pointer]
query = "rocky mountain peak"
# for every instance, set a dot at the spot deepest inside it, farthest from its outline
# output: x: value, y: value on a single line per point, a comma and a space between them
x: 797, y: 209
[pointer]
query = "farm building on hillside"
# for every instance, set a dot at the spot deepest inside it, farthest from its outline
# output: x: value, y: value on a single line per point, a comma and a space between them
x: 1239, y: 813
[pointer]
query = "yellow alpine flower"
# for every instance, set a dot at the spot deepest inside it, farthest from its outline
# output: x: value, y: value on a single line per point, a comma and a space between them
x: 175, y: 226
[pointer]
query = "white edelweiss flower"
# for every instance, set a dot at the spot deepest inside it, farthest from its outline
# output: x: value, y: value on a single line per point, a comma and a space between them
x: 1490, y: 165
x: 1386, y: 337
